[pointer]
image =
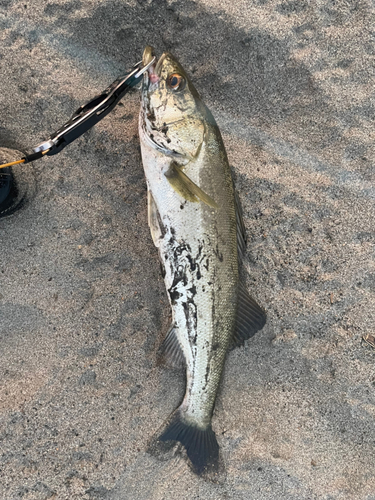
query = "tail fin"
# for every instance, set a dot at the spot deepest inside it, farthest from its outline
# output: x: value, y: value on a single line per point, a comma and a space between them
x: 200, y: 444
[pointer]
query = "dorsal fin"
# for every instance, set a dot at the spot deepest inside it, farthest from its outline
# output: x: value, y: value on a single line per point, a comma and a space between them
x: 241, y: 233
x: 250, y: 317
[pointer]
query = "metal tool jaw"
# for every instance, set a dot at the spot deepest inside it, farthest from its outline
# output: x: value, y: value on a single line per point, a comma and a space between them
x: 90, y: 113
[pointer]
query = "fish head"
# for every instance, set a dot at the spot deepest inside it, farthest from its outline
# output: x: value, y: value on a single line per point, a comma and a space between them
x: 171, y: 114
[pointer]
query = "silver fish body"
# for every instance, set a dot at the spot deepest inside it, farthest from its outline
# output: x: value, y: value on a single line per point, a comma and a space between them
x: 196, y: 225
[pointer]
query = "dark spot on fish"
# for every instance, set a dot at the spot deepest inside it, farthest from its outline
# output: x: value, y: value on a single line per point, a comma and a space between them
x: 181, y: 207
x: 174, y: 295
x: 193, y: 290
x: 178, y: 278
x: 151, y: 116
x: 207, y: 373
x: 162, y: 269
x: 194, y: 266
x: 168, y: 141
x: 186, y: 307
x: 161, y: 225
x: 188, y: 310
x: 164, y: 129
x: 152, y: 136
x: 206, y: 265
x: 215, y: 346
x: 192, y: 262
x: 200, y: 247
x: 218, y: 254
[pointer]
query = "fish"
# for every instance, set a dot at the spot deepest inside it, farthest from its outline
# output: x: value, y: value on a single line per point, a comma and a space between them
x: 196, y: 224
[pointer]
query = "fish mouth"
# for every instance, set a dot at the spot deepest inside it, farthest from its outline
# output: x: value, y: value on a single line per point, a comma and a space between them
x: 152, y: 72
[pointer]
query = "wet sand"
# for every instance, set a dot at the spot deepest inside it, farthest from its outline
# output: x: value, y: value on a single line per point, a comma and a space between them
x: 82, y: 303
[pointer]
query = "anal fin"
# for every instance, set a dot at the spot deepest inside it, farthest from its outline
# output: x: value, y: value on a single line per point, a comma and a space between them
x: 171, y: 350
x: 250, y: 317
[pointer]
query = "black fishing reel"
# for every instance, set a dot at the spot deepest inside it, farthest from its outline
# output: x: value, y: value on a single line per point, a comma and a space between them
x: 15, y: 185
x: 8, y: 191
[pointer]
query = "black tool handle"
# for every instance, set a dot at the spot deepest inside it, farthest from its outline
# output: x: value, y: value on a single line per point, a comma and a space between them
x: 92, y: 112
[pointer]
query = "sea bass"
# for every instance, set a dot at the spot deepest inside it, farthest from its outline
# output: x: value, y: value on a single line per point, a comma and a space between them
x: 196, y: 224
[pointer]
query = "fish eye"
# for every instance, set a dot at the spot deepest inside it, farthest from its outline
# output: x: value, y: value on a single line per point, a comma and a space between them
x: 176, y: 82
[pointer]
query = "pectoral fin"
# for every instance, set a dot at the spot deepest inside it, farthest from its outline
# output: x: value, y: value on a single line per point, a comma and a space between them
x: 186, y: 188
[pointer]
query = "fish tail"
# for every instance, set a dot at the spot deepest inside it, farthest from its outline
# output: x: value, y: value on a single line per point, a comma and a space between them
x: 201, y: 445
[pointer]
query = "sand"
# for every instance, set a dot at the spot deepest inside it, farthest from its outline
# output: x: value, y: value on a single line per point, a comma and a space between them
x: 82, y: 303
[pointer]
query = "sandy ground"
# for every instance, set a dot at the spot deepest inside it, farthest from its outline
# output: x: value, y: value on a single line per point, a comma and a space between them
x: 82, y: 303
